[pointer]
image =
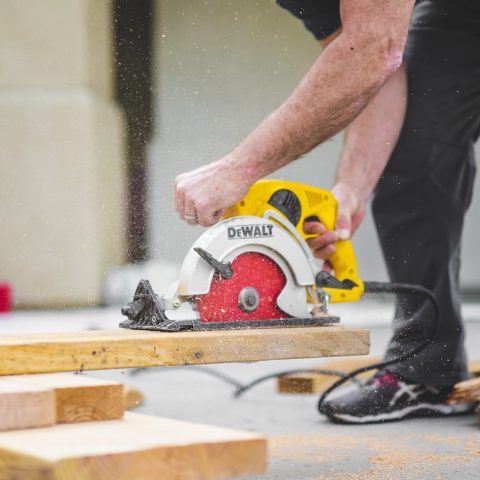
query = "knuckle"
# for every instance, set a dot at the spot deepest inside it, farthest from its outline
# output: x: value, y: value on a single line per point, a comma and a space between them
x: 201, y: 204
x: 179, y: 188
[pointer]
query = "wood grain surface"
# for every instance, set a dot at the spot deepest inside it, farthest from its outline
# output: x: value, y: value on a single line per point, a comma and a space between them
x: 137, y: 447
x: 104, y: 349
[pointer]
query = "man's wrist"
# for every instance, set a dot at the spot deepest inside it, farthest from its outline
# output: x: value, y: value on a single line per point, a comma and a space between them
x: 358, y: 192
x: 242, y: 169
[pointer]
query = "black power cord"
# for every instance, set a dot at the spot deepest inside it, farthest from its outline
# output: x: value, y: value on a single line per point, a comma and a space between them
x: 334, y: 373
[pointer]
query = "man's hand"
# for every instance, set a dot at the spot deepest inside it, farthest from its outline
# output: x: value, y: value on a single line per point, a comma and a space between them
x: 202, y: 195
x: 350, y: 213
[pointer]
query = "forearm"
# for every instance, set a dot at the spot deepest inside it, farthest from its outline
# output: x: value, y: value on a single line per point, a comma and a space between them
x: 338, y: 86
x: 371, y: 138
x: 327, y: 99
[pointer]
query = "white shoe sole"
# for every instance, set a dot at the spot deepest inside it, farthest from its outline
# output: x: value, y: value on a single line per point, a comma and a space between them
x: 422, y: 409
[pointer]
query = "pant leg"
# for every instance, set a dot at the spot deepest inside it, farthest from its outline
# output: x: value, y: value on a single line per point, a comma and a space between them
x: 422, y: 197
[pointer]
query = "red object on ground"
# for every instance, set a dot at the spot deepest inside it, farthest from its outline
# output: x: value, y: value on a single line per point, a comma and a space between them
x: 250, y: 269
x: 5, y: 297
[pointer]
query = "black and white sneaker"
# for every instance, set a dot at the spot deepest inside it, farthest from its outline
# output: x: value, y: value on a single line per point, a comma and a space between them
x: 386, y: 398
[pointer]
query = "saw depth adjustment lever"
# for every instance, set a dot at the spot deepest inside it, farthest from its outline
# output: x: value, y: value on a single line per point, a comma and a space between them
x: 327, y: 280
x: 223, y: 269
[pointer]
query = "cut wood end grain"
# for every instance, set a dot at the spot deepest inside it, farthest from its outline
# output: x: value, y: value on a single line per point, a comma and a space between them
x: 25, y: 406
x: 79, y: 398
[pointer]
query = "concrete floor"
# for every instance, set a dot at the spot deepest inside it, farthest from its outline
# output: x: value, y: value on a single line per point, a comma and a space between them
x: 302, y: 444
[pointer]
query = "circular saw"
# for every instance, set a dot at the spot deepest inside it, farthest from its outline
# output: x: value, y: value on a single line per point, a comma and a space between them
x: 254, y: 269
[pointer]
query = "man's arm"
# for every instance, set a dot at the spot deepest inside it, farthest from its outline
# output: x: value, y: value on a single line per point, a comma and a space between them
x: 334, y: 91
x: 369, y: 142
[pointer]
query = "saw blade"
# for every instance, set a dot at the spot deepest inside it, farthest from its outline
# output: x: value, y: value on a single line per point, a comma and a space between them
x: 250, y: 294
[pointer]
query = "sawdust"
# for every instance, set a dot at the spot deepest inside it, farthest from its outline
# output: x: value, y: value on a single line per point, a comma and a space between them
x: 472, y: 447
x: 435, y: 439
x: 330, y: 441
x: 386, y: 458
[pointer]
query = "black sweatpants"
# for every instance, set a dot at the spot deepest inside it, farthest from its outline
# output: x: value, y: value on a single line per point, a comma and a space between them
x: 421, y: 200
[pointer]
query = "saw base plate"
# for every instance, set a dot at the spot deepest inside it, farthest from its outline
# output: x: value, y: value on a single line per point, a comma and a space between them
x: 197, y: 325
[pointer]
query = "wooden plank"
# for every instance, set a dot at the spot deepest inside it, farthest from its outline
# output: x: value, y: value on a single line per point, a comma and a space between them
x: 137, y: 447
x: 133, y: 397
x: 308, y: 383
x: 96, y: 350
x: 79, y: 398
x: 24, y: 406
x: 465, y: 392
x: 474, y: 367
x: 312, y: 383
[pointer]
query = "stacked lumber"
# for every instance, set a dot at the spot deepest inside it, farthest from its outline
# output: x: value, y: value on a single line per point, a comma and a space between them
x: 70, y: 427
x: 82, y: 431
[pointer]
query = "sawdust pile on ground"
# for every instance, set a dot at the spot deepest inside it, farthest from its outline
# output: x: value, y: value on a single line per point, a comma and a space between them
x: 413, y: 456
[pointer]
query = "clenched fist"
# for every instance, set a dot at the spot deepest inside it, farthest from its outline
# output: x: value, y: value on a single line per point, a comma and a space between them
x: 202, y: 195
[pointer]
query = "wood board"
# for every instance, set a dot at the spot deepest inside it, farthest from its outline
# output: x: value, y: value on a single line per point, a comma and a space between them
x: 474, y: 367
x: 137, y: 447
x: 78, y: 398
x: 104, y: 349
x: 25, y: 406
x: 311, y: 383
x: 467, y: 391
x: 308, y: 383
x: 134, y: 398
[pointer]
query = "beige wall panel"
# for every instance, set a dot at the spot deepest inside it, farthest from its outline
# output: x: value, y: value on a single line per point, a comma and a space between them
x: 55, y: 43
x: 98, y: 55
x: 61, y: 151
x: 62, y: 190
x: 107, y: 129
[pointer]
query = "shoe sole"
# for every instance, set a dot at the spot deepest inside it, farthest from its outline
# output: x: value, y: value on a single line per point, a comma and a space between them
x: 420, y: 410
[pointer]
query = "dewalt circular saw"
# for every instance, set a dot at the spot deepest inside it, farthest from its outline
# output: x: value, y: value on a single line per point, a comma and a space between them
x: 254, y: 269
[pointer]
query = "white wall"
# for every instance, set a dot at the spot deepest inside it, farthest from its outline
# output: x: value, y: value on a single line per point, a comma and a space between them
x: 221, y: 66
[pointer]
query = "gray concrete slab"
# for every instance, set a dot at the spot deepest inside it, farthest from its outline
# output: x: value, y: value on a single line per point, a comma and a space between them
x: 303, y: 445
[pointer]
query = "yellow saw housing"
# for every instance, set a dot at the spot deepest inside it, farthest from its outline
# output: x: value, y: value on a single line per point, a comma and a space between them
x: 296, y: 203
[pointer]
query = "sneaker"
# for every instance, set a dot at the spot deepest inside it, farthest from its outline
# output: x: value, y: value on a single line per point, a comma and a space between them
x: 387, y: 398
